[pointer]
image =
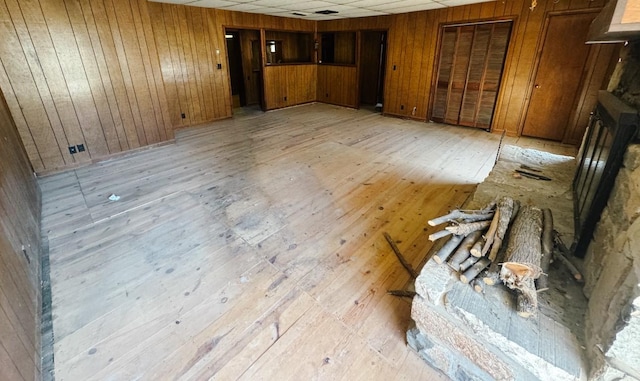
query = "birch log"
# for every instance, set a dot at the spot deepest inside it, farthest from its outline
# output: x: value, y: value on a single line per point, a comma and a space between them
x: 445, y: 252
x: 462, y: 253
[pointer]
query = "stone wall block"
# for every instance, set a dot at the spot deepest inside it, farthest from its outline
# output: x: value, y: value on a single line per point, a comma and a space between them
x: 608, y: 297
x: 632, y: 157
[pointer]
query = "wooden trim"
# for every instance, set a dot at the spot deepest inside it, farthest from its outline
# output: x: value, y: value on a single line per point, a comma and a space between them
x: 357, y: 65
x: 507, y: 66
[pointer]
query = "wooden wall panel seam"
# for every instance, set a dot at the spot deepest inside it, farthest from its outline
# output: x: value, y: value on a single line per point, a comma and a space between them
x: 124, y: 69
x: 107, y: 127
x: 24, y: 132
x: 104, y: 74
x: 36, y: 70
x: 146, y: 67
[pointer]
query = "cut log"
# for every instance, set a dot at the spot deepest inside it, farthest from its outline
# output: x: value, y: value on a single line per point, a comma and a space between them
x: 445, y: 252
x: 474, y: 270
x: 505, y: 210
x: 490, y: 206
x: 547, y: 249
x: 527, y: 302
x: 438, y: 235
x: 477, y: 285
x: 492, y: 275
x: 468, y: 263
x: 563, y: 256
x: 577, y: 275
x: 468, y: 216
x: 522, y: 259
x: 405, y: 264
x: 476, y: 249
x: 468, y: 228
x: 491, y: 233
x: 462, y: 253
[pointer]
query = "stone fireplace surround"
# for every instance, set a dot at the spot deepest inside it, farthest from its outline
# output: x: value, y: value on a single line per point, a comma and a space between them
x: 471, y: 337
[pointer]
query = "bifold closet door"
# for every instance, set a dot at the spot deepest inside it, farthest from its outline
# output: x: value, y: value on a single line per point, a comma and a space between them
x: 469, y: 71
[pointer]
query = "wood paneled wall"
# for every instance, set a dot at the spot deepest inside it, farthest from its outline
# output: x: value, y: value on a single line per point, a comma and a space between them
x: 338, y: 84
x: 114, y: 75
x: 81, y: 72
x: 288, y: 85
x: 413, y: 47
x: 20, y: 297
x: 191, y: 44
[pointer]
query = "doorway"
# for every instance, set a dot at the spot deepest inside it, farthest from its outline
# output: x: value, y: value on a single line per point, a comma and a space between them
x: 373, y: 51
x: 471, y: 61
x: 558, y: 76
x: 245, y: 67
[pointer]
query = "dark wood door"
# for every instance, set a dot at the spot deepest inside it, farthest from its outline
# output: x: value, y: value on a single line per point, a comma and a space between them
x: 469, y: 72
x: 558, y: 76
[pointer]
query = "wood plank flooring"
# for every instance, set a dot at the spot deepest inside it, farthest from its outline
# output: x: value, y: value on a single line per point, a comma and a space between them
x: 252, y: 248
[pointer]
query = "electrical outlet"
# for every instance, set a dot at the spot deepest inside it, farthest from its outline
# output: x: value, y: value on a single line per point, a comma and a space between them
x: 285, y: 99
x: 80, y: 147
x: 72, y: 150
x: 394, y: 67
x: 219, y: 66
x: 401, y: 107
x: 183, y: 116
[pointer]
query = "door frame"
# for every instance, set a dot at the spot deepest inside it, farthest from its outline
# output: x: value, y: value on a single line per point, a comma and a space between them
x: 536, y: 64
x: 436, y: 60
x: 260, y: 31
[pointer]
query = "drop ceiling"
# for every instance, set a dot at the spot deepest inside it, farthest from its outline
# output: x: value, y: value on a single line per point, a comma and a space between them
x: 307, y: 9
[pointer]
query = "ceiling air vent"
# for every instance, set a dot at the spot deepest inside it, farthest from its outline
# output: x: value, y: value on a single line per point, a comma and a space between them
x: 326, y: 12
x: 298, y: 14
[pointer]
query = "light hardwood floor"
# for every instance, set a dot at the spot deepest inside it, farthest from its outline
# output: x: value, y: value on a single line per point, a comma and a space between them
x: 252, y: 248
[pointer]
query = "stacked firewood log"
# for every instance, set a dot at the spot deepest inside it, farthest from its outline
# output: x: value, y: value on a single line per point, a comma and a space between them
x: 502, y: 243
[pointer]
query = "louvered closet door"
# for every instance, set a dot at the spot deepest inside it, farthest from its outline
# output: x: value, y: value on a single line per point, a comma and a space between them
x: 469, y: 72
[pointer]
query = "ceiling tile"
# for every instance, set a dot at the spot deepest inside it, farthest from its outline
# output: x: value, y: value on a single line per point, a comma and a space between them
x: 272, y: 3
x: 416, y: 8
x: 245, y: 7
x: 211, y: 3
x: 455, y: 3
x: 336, y: 7
x: 369, y: 3
x: 364, y: 12
x: 313, y: 4
x: 401, y: 4
x: 172, y: 1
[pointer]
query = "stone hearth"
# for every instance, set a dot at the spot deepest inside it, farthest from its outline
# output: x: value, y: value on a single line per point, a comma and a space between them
x: 471, y: 336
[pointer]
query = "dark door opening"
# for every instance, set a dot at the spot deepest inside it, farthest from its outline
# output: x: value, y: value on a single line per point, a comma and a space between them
x: 373, y: 52
x: 245, y: 66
